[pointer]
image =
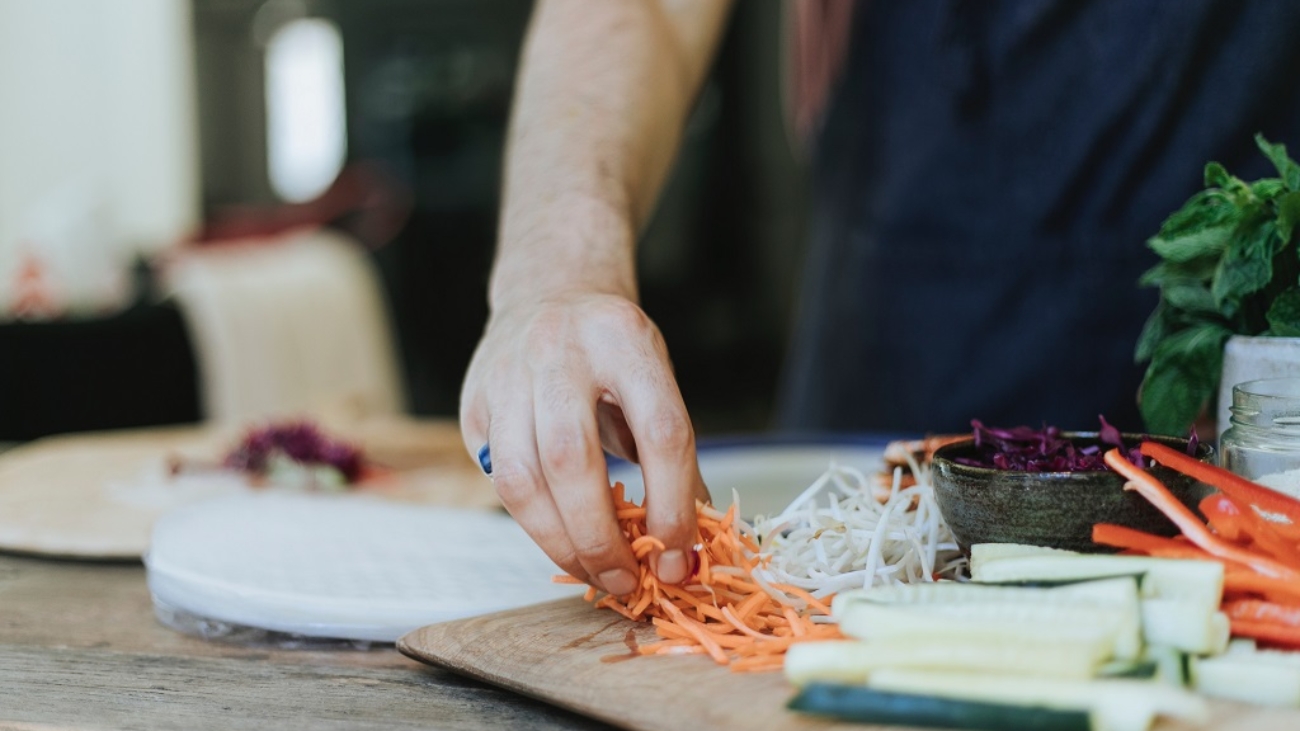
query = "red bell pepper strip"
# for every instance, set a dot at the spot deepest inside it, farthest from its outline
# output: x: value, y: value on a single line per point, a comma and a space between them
x: 1262, y: 533
x: 1118, y: 536
x: 1274, y: 634
x: 1223, y: 516
x: 1255, y: 610
x: 1191, y: 526
x: 1234, y: 486
x: 1239, y: 580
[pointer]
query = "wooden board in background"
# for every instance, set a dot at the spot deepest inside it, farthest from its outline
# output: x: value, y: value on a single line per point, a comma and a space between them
x: 577, y: 657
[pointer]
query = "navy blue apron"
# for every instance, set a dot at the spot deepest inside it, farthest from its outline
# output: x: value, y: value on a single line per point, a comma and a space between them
x: 984, y: 184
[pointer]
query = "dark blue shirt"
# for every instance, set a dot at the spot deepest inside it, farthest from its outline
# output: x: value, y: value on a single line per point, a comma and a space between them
x: 985, y: 182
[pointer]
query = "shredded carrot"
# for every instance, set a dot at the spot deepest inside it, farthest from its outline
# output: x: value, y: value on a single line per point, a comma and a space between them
x: 645, y: 544
x: 723, y: 610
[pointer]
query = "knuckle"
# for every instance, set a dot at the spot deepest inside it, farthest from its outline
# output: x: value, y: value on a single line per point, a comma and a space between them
x: 596, y: 550
x: 546, y: 331
x: 668, y: 433
x: 625, y: 316
x: 567, y: 450
x: 515, y: 483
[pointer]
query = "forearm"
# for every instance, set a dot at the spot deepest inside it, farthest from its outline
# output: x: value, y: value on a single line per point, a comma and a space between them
x: 602, y: 98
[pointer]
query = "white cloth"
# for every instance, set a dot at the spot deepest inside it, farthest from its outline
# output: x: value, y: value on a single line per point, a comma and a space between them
x: 291, y: 326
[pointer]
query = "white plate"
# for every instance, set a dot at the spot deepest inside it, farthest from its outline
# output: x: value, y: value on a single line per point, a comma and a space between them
x: 767, y: 474
x: 343, y: 566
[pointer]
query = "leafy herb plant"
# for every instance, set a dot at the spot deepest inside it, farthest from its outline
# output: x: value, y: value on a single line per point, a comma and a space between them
x: 1228, y: 267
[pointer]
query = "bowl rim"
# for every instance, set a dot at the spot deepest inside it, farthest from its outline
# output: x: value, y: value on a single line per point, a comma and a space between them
x: 1204, y: 450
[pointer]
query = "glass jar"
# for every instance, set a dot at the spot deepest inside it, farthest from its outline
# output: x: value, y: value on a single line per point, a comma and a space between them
x: 1263, y: 441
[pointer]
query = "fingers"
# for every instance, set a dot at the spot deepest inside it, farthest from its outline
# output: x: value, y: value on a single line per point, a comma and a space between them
x: 568, y: 447
x: 518, y: 477
x: 614, y: 433
x: 665, y: 441
x: 545, y: 392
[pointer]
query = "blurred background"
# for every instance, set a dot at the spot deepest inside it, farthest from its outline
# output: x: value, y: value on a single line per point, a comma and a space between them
x: 166, y: 166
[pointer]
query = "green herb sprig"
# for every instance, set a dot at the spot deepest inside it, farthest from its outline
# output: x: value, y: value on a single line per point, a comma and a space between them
x: 1228, y: 267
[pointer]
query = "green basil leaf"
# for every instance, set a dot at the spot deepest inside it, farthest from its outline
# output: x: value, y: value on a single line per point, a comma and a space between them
x: 1284, y: 315
x: 1205, y: 209
x: 1216, y: 176
x: 1183, y: 375
x: 1288, y: 214
x: 1153, y: 332
x: 1267, y: 188
x: 1211, y: 240
x: 1189, y: 295
x: 1286, y: 167
x: 1247, y: 264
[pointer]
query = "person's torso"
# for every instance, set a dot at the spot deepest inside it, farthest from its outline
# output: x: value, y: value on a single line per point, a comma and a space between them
x: 985, y: 181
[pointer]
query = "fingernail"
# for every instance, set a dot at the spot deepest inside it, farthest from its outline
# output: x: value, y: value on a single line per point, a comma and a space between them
x: 485, y: 459
x: 618, y: 581
x: 672, y: 566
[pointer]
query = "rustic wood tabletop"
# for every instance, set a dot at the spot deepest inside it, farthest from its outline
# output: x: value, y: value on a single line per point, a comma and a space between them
x: 80, y: 649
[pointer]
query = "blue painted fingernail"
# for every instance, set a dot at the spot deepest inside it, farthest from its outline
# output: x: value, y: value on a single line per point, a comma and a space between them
x: 485, y: 459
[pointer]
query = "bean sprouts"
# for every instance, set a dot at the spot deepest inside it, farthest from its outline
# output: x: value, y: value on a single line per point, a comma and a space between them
x: 860, y: 536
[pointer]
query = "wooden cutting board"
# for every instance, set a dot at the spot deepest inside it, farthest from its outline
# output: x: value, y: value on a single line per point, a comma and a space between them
x: 575, y: 656
x: 76, y: 495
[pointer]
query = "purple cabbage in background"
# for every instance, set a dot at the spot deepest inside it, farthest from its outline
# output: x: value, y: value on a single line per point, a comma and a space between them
x: 300, y: 441
x: 1023, y: 449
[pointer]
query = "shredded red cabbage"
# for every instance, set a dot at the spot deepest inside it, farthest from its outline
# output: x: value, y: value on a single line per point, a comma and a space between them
x: 300, y: 441
x: 1023, y: 449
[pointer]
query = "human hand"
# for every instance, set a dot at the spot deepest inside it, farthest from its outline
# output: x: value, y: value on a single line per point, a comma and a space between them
x: 550, y: 383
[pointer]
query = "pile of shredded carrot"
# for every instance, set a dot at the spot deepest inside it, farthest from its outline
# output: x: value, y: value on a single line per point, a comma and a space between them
x: 1252, y: 530
x: 723, y: 610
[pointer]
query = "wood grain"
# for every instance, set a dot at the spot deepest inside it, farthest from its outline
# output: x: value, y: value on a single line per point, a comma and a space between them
x: 80, y: 651
x: 578, y: 657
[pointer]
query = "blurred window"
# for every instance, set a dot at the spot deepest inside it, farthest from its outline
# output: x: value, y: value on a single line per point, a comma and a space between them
x: 305, y: 114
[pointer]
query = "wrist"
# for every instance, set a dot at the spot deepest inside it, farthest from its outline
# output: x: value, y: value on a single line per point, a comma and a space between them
x: 561, y: 248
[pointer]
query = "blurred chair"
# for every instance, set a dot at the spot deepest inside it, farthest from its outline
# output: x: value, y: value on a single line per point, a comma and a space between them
x: 291, y: 324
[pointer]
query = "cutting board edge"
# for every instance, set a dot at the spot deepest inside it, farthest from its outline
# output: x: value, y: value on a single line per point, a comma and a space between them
x: 501, y: 681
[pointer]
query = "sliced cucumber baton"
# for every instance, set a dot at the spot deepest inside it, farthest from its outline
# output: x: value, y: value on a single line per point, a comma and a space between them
x: 866, y: 705
x: 1184, y: 625
x: 1170, y: 663
x: 1118, y: 593
x: 1267, y: 677
x: 1110, y: 628
x: 1142, y: 669
x: 982, y: 553
x: 852, y: 661
x: 1121, y: 591
x: 1115, y: 705
x: 1199, y: 582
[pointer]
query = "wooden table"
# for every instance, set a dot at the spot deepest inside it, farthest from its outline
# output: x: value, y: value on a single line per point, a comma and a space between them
x: 80, y: 649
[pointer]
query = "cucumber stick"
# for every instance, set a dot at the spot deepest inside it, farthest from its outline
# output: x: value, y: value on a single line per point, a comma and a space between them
x: 866, y: 705
x: 1184, y: 625
x: 995, y: 622
x: 1113, y: 705
x: 982, y: 553
x: 1266, y: 677
x: 1005, y: 609
x: 1170, y: 664
x: 852, y: 661
x: 1198, y: 582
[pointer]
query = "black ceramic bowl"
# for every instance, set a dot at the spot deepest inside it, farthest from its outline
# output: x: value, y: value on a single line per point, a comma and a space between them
x: 1057, y: 509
